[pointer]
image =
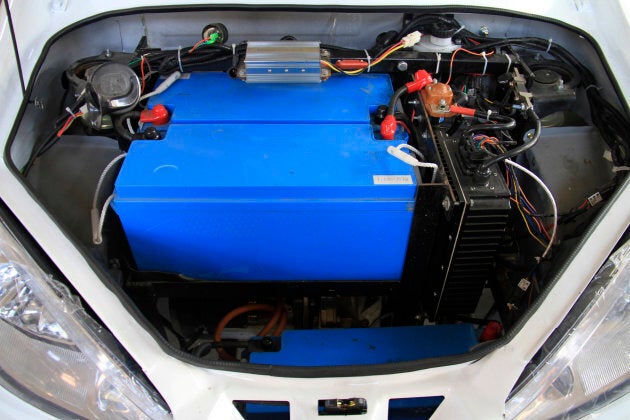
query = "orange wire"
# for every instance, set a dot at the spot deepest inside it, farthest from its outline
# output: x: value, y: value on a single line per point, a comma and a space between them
x: 230, y: 316
x: 466, y: 51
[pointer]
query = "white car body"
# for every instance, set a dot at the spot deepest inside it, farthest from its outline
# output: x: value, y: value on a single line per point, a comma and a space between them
x: 471, y: 390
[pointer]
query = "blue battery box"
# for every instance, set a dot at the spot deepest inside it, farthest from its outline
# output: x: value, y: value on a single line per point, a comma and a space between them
x: 365, y: 346
x: 268, y: 182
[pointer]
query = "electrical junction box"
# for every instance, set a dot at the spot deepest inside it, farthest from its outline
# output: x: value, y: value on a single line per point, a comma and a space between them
x: 268, y: 182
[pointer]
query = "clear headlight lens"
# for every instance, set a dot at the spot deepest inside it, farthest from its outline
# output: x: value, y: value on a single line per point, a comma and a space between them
x: 52, y: 349
x: 589, y: 365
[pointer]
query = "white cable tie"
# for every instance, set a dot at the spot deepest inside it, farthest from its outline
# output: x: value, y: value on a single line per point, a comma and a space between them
x: 509, y: 59
x: 461, y: 28
x: 437, y: 65
x: 369, y: 60
x: 179, y: 58
x: 549, y: 45
x: 488, y: 115
x: 233, y: 49
x: 69, y: 111
x: 485, y: 64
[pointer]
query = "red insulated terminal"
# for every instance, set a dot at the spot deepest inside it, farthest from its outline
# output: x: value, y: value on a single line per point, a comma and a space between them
x: 351, y: 64
x: 492, y: 331
x: 421, y: 78
x: 158, y: 115
x: 388, y: 127
x: 462, y: 110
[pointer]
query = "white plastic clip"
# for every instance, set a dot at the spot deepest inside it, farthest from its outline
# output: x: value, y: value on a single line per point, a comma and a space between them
x: 509, y: 59
x: 488, y: 115
x: 437, y: 65
x: 549, y: 45
x: 179, y: 59
x: 369, y: 60
x: 485, y: 63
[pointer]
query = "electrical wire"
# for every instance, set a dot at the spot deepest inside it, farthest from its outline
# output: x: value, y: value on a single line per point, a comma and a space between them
x: 399, y: 45
x: 450, y: 71
x: 279, y: 315
x: 551, y: 200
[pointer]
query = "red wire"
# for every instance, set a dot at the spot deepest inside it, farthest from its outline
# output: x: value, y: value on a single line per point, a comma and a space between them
x: 142, y: 74
x: 404, y: 126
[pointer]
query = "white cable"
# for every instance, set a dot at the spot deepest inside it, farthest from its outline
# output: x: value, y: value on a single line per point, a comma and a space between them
x: 179, y: 58
x: 101, y: 179
x: 98, y: 235
x: 163, y: 86
x: 129, y: 127
x: 509, y: 62
x: 553, y: 202
x: 413, y: 149
x: 410, y: 160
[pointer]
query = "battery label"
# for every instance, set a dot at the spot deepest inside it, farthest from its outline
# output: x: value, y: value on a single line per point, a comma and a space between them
x: 392, y: 179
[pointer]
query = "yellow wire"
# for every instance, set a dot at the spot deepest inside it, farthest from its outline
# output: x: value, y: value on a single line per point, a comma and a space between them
x: 544, y: 245
x: 359, y: 71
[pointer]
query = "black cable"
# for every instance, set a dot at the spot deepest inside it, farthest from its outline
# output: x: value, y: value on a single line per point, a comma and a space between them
x: 520, y: 149
x: 395, y: 97
x: 15, y: 46
x: 504, y: 123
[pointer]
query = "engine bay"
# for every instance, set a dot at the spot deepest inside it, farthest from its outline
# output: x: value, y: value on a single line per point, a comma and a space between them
x: 407, y: 194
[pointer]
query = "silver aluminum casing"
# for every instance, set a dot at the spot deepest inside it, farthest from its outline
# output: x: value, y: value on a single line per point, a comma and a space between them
x: 283, y: 62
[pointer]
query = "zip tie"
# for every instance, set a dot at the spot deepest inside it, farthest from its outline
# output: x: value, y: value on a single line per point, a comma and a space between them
x: 509, y: 59
x: 369, y: 60
x: 179, y: 58
x: 488, y: 115
x: 461, y: 28
x: 69, y: 111
x: 549, y: 45
x: 485, y: 64
x: 437, y: 66
x: 233, y: 49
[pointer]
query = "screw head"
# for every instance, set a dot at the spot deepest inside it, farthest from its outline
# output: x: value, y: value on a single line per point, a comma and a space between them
x: 402, y: 66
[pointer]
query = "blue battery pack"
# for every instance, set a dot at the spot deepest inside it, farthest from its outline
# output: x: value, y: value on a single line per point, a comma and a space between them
x: 365, y: 346
x: 268, y: 182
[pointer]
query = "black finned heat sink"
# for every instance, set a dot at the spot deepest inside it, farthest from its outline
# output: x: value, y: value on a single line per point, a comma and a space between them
x: 474, y: 220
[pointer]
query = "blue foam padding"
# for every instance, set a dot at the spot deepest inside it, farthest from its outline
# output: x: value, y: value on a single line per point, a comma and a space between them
x: 230, y: 195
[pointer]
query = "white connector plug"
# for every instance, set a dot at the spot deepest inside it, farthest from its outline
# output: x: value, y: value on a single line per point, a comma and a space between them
x: 411, y: 39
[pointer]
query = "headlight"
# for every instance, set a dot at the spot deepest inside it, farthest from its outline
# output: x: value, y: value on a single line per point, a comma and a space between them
x: 589, y: 365
x: 53, y: 350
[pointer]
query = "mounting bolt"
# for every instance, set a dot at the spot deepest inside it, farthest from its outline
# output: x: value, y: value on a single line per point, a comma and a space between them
x: 484, y: 31
x: 108, y: 53
x: 402, y: 66
x: 446, y: 203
